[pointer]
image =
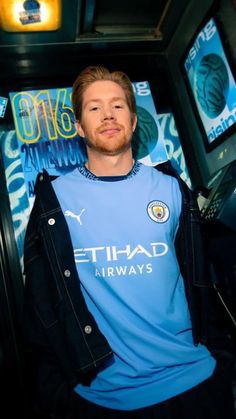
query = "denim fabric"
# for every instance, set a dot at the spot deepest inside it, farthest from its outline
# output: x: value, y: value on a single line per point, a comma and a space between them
x: 63, y: 341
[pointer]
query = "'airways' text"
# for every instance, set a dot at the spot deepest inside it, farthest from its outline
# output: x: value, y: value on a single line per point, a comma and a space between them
x: 118, y: 271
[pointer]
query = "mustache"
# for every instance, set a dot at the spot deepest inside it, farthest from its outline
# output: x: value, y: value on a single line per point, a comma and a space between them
x: 109, y: 125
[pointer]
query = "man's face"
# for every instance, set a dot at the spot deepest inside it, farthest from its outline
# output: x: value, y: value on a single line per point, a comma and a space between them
x: 106, y: 123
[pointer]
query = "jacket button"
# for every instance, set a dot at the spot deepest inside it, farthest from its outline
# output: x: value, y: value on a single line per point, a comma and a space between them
x: 88, y: 329
x: 51, y: 221
x: 67, y: 273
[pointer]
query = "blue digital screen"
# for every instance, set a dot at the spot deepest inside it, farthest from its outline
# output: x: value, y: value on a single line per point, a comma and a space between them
x: 3, y: 106
x: 212, y: 84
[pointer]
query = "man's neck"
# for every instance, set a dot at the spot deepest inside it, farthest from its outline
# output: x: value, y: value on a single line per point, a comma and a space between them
x: 102, y: 165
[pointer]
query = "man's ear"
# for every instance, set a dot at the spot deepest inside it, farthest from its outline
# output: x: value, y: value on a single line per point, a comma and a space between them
x: 79, y: 129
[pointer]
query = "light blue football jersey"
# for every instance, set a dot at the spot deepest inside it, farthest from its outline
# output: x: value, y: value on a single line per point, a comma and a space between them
x: 123, y: 238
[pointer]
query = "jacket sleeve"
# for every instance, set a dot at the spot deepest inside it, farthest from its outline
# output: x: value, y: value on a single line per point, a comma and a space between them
x: 49, y: 393
x: 49, y: 388
x: 206, y: 310
x: 213, y: 330
x: 59, y: 352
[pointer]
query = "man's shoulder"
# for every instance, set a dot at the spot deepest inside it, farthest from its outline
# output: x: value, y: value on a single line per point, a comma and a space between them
x: 45, y: 177
x: 42, y: 181
x: 167, y: 168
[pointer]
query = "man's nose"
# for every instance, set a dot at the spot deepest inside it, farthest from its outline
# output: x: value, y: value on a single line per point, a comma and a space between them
x: 108, y: 113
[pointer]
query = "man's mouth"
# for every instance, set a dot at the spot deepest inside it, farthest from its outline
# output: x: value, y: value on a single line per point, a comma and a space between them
x: 109, y: 130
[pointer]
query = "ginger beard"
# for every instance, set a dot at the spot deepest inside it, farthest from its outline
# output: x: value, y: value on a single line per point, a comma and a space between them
x: 109, y: 139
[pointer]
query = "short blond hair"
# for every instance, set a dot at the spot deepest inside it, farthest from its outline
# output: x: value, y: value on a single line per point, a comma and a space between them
x: 95, y: 73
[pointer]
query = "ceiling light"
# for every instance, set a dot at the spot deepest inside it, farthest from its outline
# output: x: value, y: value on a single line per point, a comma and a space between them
x: 30, y: 15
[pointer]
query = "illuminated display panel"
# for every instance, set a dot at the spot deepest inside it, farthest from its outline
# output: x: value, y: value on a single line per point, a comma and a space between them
x: 211, y: 85
x: 30, y: 15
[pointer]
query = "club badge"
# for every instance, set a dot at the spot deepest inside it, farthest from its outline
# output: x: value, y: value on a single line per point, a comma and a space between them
x: 158, y: 211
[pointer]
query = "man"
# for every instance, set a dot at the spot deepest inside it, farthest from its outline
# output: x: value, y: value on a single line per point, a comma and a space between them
x: 116, y: 291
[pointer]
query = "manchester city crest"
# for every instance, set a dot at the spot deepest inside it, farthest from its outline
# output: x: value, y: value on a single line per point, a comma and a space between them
x: 158, y: 211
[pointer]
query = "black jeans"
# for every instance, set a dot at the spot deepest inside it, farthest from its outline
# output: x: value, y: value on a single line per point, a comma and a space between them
x: 211, y: 399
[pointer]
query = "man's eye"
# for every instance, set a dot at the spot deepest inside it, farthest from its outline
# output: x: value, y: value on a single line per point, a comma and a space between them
x: 118, y: 106
x: 94, y: 108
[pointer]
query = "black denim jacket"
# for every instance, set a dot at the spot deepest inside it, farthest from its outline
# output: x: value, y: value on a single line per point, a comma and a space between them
x: 66, y: 346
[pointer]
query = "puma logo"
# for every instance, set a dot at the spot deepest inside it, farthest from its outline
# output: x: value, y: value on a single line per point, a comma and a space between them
x: 73, y: 215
